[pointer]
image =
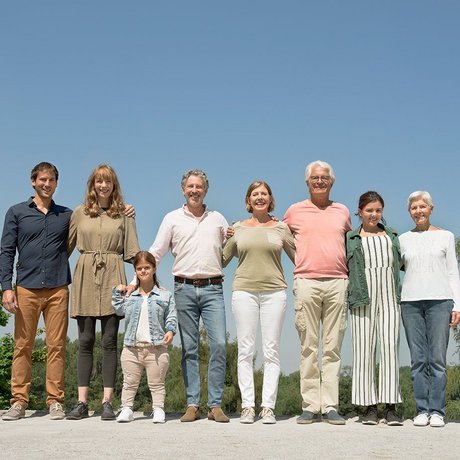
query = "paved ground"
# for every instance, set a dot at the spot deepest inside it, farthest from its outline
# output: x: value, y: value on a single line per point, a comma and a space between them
x: 37, y: 437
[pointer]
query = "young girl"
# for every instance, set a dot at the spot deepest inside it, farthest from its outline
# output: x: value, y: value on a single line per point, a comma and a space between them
x: 151, y: 322
x: 374, y: 292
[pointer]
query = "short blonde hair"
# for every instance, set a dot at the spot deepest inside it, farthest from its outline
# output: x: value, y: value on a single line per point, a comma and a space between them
x: 252, y: 187
x: 420, y: 195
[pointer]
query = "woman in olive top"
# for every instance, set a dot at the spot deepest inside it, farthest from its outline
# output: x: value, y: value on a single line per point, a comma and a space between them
x: 259, y: 291
x: 105, y: 238
x: 373, y: 257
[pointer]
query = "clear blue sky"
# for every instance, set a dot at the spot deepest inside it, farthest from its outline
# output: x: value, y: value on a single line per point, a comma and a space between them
x: 242, y: 89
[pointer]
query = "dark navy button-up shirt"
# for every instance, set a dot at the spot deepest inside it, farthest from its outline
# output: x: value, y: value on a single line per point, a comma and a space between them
x: 41, y: 242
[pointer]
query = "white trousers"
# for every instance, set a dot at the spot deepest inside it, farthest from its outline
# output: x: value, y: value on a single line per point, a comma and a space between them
x: 248, y: 307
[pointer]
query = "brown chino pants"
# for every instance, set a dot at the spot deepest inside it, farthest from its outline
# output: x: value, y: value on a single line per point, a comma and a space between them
x: 53, y: 303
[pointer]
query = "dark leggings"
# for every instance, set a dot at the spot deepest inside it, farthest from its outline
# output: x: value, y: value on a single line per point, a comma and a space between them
x: 86, y: 339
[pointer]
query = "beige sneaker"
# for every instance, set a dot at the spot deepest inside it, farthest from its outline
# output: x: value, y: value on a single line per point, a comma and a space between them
x: 15, y: 412
x: 57, y: 411
x: 267, y: 416
x: 248, y: 415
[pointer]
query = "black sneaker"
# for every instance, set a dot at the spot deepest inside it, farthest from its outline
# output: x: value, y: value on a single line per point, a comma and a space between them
x: 392, y: 418
x: 107, y: 411
x: 370, y: 417
x: 78, y: 412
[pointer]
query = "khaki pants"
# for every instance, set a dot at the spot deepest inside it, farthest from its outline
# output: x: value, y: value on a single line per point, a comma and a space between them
x: 155, y: 361
x: 320, y: 301
x: 53, y: 303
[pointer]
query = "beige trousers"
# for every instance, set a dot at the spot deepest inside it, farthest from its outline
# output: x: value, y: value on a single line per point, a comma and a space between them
x: 321, y: 320
x: 155, y: 361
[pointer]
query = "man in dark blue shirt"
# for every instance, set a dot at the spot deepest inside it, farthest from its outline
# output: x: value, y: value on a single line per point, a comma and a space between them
x: 37, y: 230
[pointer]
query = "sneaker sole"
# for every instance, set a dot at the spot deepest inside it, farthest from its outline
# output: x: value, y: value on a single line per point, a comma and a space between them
x: 335, y: 422
x: 306, y: 422
x: 12, y: 419
x: 394, y: 423
x: 368, y: 422
x: 72, y: 417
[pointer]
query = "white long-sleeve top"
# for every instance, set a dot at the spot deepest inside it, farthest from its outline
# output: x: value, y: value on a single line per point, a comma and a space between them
x: 196, y: 244
x: 431, y: 267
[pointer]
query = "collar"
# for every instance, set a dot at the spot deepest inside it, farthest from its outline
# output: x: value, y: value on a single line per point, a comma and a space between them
x: 154, y: 291
x: 31, y: 203
x: 188, y: 213
x: 355, y: 233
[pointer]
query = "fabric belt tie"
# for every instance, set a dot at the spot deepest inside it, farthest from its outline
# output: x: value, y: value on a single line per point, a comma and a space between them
x: 199, y: 282
x: 99, y: 261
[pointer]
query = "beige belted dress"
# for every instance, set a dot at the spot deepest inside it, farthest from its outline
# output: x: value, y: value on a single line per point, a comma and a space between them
x: 104, y: 245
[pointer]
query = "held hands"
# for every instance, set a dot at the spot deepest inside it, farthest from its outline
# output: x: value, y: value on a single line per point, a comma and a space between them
x: 230, y: 232
x: 9, y: 301
x: 168, y: 338
x: 455, y: 318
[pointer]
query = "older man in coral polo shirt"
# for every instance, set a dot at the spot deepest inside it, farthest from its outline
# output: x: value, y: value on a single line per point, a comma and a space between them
x: 320, y: 286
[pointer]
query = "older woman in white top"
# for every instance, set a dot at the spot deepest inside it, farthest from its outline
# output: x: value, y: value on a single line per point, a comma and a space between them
x: 430, y: 304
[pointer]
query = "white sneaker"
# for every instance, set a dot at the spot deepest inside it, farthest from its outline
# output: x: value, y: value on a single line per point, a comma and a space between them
x: 126, y: 415
x: 436, y: 421
x: 267, y: 416
x: 247, y: 415
x: 421, y: 419
x: 158, y: 415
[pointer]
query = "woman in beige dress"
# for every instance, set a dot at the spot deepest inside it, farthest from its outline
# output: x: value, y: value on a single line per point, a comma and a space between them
x: 105, y: 238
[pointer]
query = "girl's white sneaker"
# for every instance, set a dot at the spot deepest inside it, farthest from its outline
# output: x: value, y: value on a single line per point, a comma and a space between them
x: 126, y: 415
x: 158, y: 415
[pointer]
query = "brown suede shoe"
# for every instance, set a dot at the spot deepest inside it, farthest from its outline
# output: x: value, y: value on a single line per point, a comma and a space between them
x: 217, y: 414
x: 191, y: 414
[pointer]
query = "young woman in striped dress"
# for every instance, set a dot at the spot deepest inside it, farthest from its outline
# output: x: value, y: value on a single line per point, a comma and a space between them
x: 373, y: 256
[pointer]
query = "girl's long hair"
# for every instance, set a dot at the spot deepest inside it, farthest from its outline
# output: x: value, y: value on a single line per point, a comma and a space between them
x: 146, y: 256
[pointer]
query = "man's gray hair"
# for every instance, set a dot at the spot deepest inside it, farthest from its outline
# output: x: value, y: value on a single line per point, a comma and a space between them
x: 195, y: 172
x: 321, y: 164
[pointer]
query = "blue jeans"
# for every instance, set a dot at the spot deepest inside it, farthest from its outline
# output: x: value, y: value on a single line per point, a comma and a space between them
x: 427, y: 330
x: 207, y: 302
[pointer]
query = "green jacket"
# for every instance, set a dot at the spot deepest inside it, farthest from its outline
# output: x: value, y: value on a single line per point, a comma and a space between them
x: 358, y: 293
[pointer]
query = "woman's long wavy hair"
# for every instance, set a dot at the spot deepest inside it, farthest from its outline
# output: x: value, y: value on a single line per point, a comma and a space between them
x: 116, y: 204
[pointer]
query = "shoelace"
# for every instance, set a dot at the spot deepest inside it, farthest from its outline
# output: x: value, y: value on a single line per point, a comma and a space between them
x: 58, y: 406
x: 266, y: 411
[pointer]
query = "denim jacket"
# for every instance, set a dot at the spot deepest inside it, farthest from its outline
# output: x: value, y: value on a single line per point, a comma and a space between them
x: 358, y: 293
x: 161, y: 312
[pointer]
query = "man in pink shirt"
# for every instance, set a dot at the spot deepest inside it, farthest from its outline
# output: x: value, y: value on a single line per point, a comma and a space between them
x: 320, y: 289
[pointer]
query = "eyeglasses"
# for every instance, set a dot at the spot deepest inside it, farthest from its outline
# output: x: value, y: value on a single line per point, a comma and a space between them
x: 325, y: 179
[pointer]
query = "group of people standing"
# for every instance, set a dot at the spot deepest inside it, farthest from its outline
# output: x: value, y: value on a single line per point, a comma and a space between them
x: 336, y: 268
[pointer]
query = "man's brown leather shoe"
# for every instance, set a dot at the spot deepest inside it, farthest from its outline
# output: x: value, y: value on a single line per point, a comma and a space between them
x: 217, y: 414
x: 191, y: 414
